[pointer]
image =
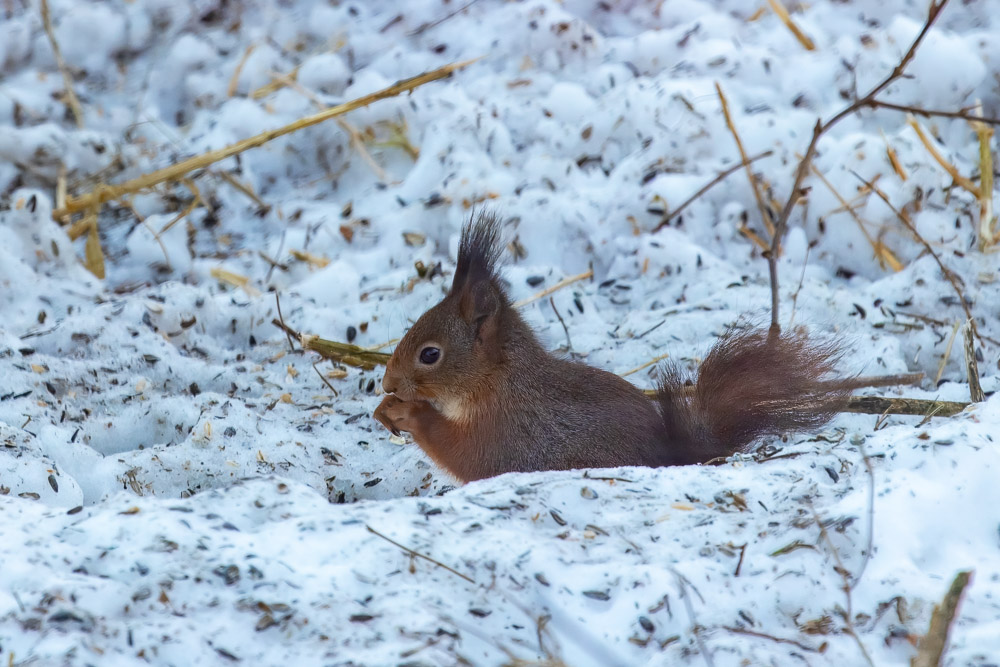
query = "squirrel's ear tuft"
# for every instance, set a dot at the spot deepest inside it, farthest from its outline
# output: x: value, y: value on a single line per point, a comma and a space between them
x: 478, y: 253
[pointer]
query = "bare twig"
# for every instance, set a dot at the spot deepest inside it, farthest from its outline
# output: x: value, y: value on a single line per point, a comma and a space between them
x: 761, y: 635
x: 325, y: 381
x: 667, y: 217
x: 933, y: 644
x: 804, y: 165
x: 962, y: 115
x: 905, y: 219
x: 412, y: 552
x: 433, y: 24
x: 848, y: 613
x: 569, y: 343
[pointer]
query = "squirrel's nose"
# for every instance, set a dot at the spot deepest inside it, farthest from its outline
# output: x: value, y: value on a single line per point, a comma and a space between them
x: 389, y: 384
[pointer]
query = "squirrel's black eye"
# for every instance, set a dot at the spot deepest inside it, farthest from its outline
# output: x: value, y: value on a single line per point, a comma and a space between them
x: 430, y: 355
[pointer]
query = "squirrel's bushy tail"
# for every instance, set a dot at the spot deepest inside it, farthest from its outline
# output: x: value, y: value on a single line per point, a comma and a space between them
x: 749, y: 386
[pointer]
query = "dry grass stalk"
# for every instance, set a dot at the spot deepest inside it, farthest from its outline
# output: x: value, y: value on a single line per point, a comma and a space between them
x: 972, y: 367
x: 786, y: 18
x: 987, y: 221
x: 879, y: 405
x: 93, y: 253
x: 940, y: 159
x: 667, y: 217
x: 276, y: 84
x: 818, y: 130
x: 72, y: 101
x: 234, y: 279
x: 104, y: 193
x: 765, y: 212
x: 932, y: 645
x: 947, y: 352
x: 882, y: 252
x: 890, y: 153
x: 645, y: 365
x: 234, y: 80
x: 589, y: 273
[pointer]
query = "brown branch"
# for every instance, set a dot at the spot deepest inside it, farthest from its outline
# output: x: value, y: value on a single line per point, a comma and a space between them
x: 927, y: 113
x: 803, y: 169
x: 667, y: 217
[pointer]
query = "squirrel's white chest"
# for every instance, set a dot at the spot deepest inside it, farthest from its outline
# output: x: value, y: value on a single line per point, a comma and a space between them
x: 453, y: 409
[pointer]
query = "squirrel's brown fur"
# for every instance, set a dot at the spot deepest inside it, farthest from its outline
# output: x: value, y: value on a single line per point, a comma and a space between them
x: 495, y: 401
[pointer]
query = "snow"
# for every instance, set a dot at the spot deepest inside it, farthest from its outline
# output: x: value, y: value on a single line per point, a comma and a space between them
x: 178, y: 487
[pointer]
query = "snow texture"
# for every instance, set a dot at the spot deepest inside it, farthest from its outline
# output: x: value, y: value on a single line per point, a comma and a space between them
x: 179, y: 487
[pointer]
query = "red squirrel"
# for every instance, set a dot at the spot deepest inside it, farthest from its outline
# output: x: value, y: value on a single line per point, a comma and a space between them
x: 478, y: 392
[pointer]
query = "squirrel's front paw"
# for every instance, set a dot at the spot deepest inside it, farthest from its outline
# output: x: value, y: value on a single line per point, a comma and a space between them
x: 397, y: 415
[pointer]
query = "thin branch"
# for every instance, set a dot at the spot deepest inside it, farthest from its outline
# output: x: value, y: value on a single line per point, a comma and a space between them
x: 927, y: 113
x: 761, y: 635
x: 803, y: 169
x: 420, y: 555
x: 667, y: 217
x: 905, y: 219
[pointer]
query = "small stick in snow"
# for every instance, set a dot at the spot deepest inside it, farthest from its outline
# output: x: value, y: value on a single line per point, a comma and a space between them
x: 932, y: 645
x: 972, y: 367
x: 420, y: 555
x: 589, y: 273
x: 947, y: 352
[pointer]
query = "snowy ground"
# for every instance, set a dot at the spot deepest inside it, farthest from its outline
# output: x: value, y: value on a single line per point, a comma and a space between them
x: 177, y: 487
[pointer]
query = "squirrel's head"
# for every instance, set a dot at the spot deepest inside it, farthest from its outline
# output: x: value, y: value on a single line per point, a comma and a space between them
x: 456, y: 345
